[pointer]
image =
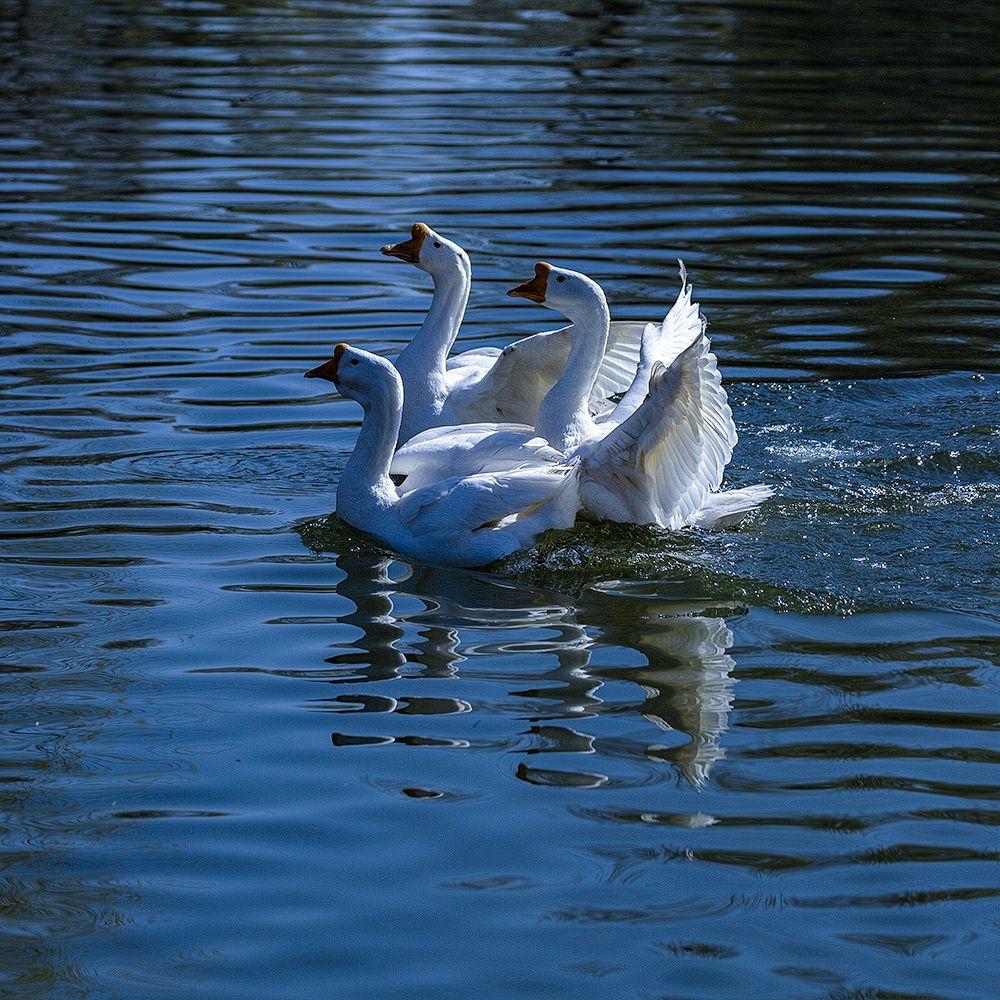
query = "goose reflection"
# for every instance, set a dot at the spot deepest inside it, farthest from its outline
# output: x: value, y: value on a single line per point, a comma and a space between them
x: 693, y: 694
x: 423, y: 621
x: 390, y: 595
x: 369, y: 587
x: 688, y: 678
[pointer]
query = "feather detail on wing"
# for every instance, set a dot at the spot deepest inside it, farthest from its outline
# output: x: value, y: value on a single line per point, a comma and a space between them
x: 717, y: 420
x: 619, y: 364
x: 479, y: 357
x: 521, y: 376
x: 457, y: 505
x: 662, y: 461
x: 516, y: 383
x: 444, y: 452
x: 660, y: 343
x: 726, y: 510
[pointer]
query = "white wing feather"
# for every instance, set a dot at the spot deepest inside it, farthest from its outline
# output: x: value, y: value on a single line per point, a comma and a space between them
x: 619, y: 364
x: 443, y: 452
x: 662, y: 461
x: 457, y: 505
x: 725, y: 510
x: 666, y: 413
x: 662, y: 342
x: 514, y: 387
x: 478, y: 357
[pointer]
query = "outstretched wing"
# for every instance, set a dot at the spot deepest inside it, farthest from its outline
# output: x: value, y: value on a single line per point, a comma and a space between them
x: 664, y: 459
x: 619, y: 364
x: 475, y: 502
x: 519, y: 378
x: 662, y: 343
x: 513, y: 388
x: 444, y: 452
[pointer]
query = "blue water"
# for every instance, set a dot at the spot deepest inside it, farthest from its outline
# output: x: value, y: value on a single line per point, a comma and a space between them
x: 246, y: 753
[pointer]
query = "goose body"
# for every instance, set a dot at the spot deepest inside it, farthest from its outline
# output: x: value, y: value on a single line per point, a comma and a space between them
x: 657, y: 457
x: 457, y: 521
x: 487, y: 384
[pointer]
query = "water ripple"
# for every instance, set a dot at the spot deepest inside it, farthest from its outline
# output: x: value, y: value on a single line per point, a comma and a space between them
x: 622, y: 759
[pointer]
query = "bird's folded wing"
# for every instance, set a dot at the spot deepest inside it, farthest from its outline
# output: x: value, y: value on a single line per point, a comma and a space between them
x: 525, y: 371
x: 480, y: 357
x: 442, y: 452
x: 456, y: 505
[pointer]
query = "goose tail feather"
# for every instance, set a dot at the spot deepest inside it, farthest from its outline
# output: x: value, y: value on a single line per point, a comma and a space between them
x: 724, y: 510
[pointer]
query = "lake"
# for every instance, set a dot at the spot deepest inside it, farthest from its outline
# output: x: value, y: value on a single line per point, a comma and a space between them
x: 247, y: 753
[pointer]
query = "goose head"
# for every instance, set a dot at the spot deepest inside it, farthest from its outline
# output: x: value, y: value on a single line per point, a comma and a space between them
x: 366, y: 378
x: 558, y: 288
x: 429, y: 251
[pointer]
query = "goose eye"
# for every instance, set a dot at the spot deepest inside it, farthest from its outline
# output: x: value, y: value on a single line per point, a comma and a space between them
x: 437, y: 243
x: 354, y: 361
x: 560, y: 277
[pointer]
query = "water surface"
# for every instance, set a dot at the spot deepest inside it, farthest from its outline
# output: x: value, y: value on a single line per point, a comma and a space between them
x: 247, y: 753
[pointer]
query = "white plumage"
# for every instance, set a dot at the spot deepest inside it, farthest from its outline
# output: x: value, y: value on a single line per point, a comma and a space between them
x: 471, y: 448
x: 458, y: 521
x: 657, y: 457
x: 515, y: 442
x: 486, y: 384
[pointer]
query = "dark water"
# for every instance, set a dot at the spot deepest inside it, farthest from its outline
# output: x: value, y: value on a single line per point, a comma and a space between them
x: 245, y: 755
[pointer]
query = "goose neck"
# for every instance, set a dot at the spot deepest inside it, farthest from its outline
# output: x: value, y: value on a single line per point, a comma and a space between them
x: 429, y: 349
x: 564, y: 415
x: 365, y: 483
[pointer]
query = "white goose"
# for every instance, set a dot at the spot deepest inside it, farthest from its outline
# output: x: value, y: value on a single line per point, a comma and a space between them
x: 457, y: 522
x: 487, y: 384
x: 656, y: 458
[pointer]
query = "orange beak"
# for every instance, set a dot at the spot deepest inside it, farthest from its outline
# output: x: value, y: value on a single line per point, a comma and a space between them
x: 328, y: 370
x: 535, y: 288
x: 408, y: 250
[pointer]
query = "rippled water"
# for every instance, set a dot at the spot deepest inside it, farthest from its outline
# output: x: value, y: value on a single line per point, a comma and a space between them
x: 246, y: 754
